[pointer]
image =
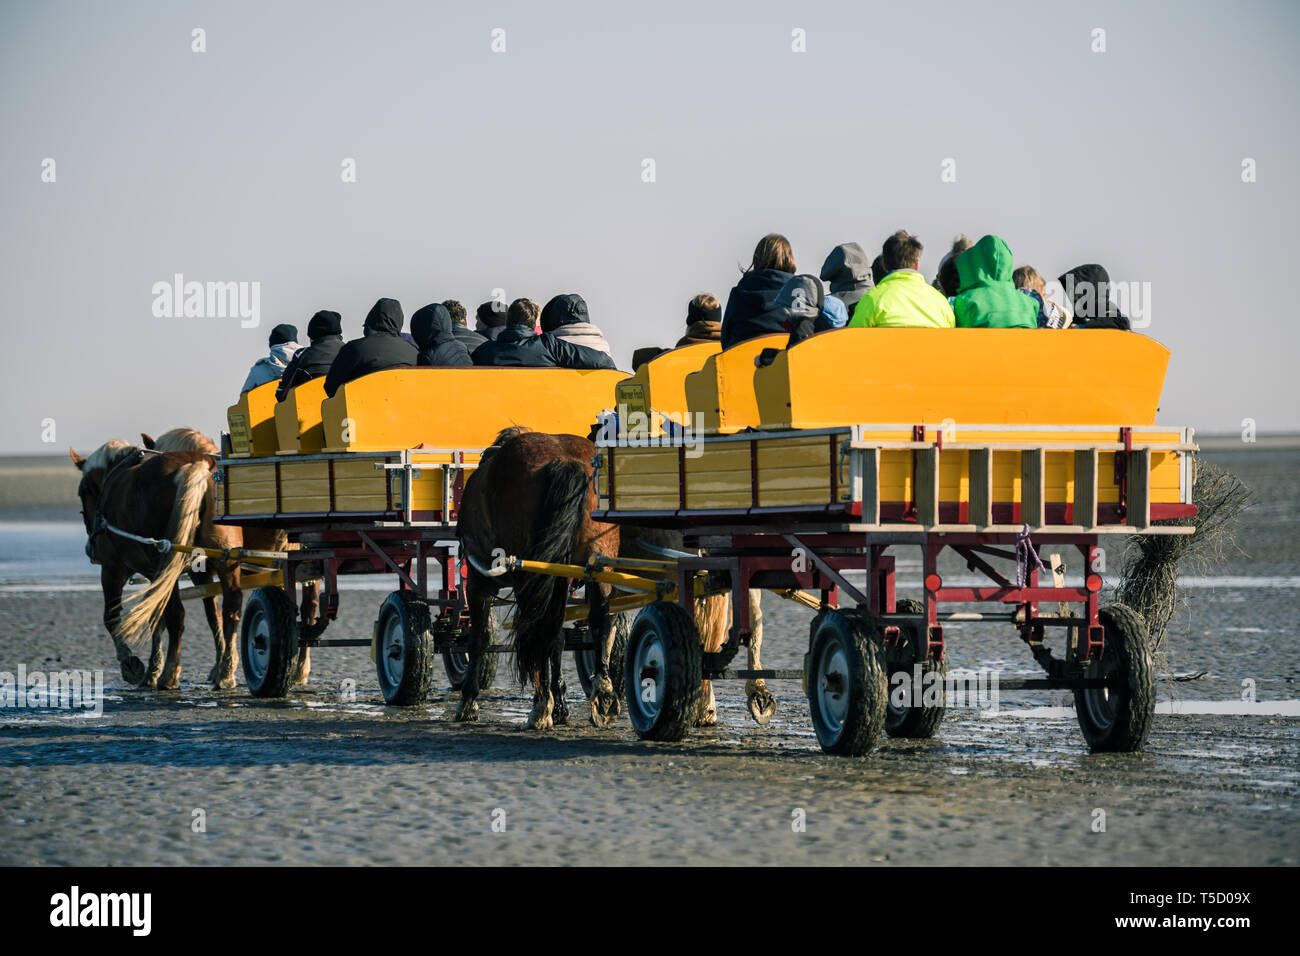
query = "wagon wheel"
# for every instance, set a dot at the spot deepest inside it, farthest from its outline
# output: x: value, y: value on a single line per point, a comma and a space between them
x: 268, y: 641
x: 585, y: 660
x: 914, y: 722
x: 663, y: 670
x: 456, y: 663
x: 1117, y: 717
x: 403, y: 649
x: 846, y: 685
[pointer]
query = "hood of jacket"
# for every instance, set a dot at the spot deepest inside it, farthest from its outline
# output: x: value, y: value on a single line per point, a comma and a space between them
x: 801, y: 297
x: 1087, y: 292
x: 431, y: 326
x: 706, y: 330
x: 567, y: 309
x: 984, y: 263
x: 848, y: 270
x: 324, y: 323
x: 385, y: 317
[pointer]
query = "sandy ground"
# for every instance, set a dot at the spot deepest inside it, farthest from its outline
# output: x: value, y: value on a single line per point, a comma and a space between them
x: 321, y: 779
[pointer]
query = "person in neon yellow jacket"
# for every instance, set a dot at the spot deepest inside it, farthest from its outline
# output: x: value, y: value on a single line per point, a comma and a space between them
x: 903, y: 299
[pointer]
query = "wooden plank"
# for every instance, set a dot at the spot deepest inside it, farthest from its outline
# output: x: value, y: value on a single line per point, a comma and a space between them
x: 1033, y: 504
x: 927, y: 485
x: 1139, y: 488
x: 869, y: 465
x: 981, y: 487
x: 1085, y: 487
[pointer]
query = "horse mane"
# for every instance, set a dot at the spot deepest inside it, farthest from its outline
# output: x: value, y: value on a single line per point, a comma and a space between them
x: 185, y: 439
x: 506, y: 434
x: 107, y: 455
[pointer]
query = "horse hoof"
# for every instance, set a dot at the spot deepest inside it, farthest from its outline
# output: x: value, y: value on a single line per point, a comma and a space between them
x: 467, y: 712
x: 541, y: 722
x: 604, y: 707
x: 762, y: 706
x: 133, y: 671
x: 225, y: 683
x: 561, y: 715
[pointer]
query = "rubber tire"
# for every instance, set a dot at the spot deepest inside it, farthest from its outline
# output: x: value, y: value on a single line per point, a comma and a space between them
x: 914, y: 723
x: 273, y: 605
x: 456, y: 663
x: 864, y: 718
x: 681, y: 693
x: 1127, y: 640
x: 622, y: 628
x: 417, y: 649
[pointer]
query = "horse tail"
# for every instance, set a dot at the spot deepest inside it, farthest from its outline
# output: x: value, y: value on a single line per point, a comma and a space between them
x: 144, y: 609
x: 540, y: 599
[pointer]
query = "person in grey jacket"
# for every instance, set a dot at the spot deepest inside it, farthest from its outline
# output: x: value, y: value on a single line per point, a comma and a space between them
x: 565, y: 316
x: 269, y: 368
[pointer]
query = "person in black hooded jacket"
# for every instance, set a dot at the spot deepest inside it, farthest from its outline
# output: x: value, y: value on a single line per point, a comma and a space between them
x: 326, y: 333
x: 751, y: 307
x: 518, y: 346
x: 432, y: 329
x: 382, y: 347
x: 1088, y: 290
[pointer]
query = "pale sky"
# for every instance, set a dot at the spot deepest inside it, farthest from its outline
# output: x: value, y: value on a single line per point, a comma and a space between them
x: 523, y: 170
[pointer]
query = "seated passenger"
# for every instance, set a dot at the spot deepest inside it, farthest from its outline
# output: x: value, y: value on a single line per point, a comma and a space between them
x: 283, y: 343
x: 848, y: 271
x: 565, y: 316
x: 703, y: 320
x: 903, y: 299
x: 490, y: 319
x: 988, y: 299
x: 806, y: 310
x: 460, y: 326
x: 1050, y: 314
x: 381, y: 347
x: 431, y: 328
x: 947, y: 280
x: 326, y: 333
x: 518, y: 345
x: 751, y: 305
x: 1087, y: 291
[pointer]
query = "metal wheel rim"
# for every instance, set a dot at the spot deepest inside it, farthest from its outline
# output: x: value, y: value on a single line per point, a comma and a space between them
x: 832, y: 705
x: 259, y: 658
x: 650, y: 655
x: 392, y: 649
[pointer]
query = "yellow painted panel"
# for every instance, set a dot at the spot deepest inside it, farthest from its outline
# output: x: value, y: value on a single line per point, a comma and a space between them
x: 297, y: 419
x: 981, y: 376
x: 462, y: 407
x: 659, y: 386
x: 251, y: 421
x: 722, y: 391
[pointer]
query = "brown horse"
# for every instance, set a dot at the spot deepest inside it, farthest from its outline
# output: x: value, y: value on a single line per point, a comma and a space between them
x: 532, y: 497
x: 131, y: 497
x: 227, y: 537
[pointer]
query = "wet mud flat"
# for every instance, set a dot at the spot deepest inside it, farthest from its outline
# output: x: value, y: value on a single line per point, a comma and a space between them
x: 332, y: 776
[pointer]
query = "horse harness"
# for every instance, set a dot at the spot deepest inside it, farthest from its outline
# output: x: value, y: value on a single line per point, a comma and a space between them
x: 100, y: 523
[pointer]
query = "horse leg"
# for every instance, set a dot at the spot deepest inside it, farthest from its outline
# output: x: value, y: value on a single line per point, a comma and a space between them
x: 712, y: 620
x: 174, y: 618
x: 201, y: 579
x: 232, y: 600
x: 560, y: 712
x: 479, y: 596
x: 762, y: 705
x: 308, y: 612
x: 113, y: 580
x: 155, y: 659
x: 539, y: 718
x: 604, y: 703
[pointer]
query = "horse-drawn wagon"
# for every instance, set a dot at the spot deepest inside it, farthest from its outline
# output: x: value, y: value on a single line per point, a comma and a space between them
x: 856, y: 444
x: 369, y: 481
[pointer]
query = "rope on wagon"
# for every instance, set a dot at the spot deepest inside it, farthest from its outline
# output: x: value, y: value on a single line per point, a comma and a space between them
x: 1025, y: 551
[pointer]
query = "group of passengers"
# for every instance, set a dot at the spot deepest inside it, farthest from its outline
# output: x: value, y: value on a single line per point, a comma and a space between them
x: 520, y: 335
x: 977, y: 286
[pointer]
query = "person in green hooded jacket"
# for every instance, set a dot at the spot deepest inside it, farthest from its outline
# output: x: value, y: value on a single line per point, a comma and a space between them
x: 986, y: 297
